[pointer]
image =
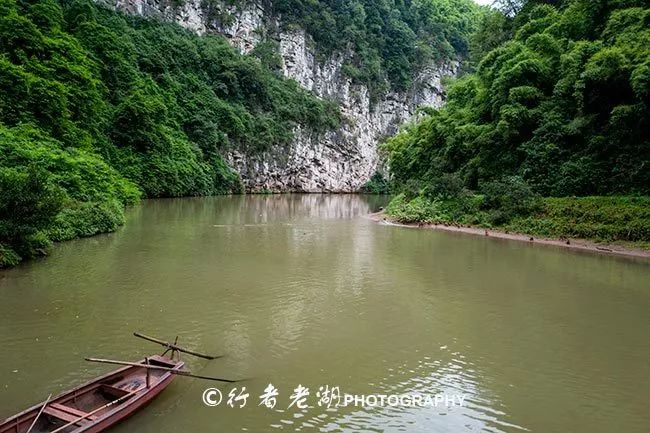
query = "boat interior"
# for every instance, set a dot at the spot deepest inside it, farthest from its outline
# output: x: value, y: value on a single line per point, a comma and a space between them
x: 89, y: 403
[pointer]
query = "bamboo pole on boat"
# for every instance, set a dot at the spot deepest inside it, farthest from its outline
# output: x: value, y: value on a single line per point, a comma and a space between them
x: 156, y: 367
x: 89, y: 414
x: 173, y: 346
x: 39, y: 413
x: 146, y: 361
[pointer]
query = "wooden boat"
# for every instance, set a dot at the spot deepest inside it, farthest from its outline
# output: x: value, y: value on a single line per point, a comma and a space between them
x: 98, y: 404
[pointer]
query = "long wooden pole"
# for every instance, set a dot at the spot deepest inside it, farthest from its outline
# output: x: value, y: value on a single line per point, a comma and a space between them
x: 156, y: 367
x: 39, y: 413
x: 107, y: 405
x: 174, y: 346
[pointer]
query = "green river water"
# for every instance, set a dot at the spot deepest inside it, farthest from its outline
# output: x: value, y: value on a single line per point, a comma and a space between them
x: 304, y: 290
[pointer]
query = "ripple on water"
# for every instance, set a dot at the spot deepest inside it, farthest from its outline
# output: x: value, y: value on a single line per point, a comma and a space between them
x: 448, y: 376
x: 301, y: 289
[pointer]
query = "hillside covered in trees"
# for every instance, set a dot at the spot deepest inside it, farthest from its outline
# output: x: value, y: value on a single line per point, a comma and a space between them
x: 100, y: 109
x: 557, y: 107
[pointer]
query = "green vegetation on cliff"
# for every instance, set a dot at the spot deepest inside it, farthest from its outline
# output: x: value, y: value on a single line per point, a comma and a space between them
x: 557, y: 107
x: 98, y: 109
x: 390, y: 39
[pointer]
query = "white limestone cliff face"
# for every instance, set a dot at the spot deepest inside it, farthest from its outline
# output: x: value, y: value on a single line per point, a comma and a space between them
x: 337, y: 161
x: 187, y: 13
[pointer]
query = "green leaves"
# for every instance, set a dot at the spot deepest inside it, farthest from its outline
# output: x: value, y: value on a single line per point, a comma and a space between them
x: 376, y: 185
x: 29, y: 202
x: 605, y: 219
x: 564, y: 106
x: 48, y: 192
x: 81, y: 174
x: 46, y: 14
x: 507, y: 198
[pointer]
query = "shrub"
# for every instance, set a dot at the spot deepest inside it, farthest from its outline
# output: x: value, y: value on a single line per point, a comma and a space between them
x: 419, y: 209
x: 601, y: 218
x: 83, y: 219
x: 29, y: 202
x: 445, y: 187
x: 51, y: 193
x: 508, y: 198
x: 376, y: 185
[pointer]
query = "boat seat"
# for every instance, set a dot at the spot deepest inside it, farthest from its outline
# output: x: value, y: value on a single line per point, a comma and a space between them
x: 64, y: 416
x: 73, y: 411
x: 113, y: 391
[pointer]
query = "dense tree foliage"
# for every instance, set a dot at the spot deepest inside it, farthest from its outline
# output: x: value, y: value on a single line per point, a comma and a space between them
x: 563, y: 105
x: 97, y: 109
x: 558, y: 104
x: 390, y: 39
x: 50, y: 192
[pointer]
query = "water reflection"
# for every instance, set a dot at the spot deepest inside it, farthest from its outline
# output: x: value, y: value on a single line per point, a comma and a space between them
x: 301, y: 289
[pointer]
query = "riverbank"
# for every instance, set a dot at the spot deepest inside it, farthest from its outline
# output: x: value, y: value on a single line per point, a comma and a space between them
x: 573, y: 244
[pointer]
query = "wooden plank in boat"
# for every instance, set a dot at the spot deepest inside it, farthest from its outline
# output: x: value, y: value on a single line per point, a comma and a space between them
x: 71, y: 410
x: 65, y: 416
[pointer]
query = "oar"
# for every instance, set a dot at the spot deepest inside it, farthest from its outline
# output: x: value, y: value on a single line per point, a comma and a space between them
x: 173, y: 346
x: 39, y: 413
x: 156, y: 367
x: 89, y: 414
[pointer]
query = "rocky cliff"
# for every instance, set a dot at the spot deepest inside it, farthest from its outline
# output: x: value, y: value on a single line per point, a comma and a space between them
x: 337, y: 161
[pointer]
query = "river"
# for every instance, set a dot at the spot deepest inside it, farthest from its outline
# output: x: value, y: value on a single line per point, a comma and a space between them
x: 303, y: 290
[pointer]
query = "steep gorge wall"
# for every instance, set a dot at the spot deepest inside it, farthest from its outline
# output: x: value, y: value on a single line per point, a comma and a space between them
x: 336, y: 161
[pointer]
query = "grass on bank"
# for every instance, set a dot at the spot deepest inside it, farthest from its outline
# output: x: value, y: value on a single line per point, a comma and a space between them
x: 602, y: 219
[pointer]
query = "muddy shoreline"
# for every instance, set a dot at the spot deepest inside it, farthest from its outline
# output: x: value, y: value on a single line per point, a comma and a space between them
x: 572, y: 244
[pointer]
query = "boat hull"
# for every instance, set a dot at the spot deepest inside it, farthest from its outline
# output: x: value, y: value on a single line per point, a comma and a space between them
x: 129, y: 410
x: 99, y: 404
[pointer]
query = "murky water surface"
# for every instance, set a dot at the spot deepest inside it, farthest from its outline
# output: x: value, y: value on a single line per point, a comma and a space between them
x: 302, y: 289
